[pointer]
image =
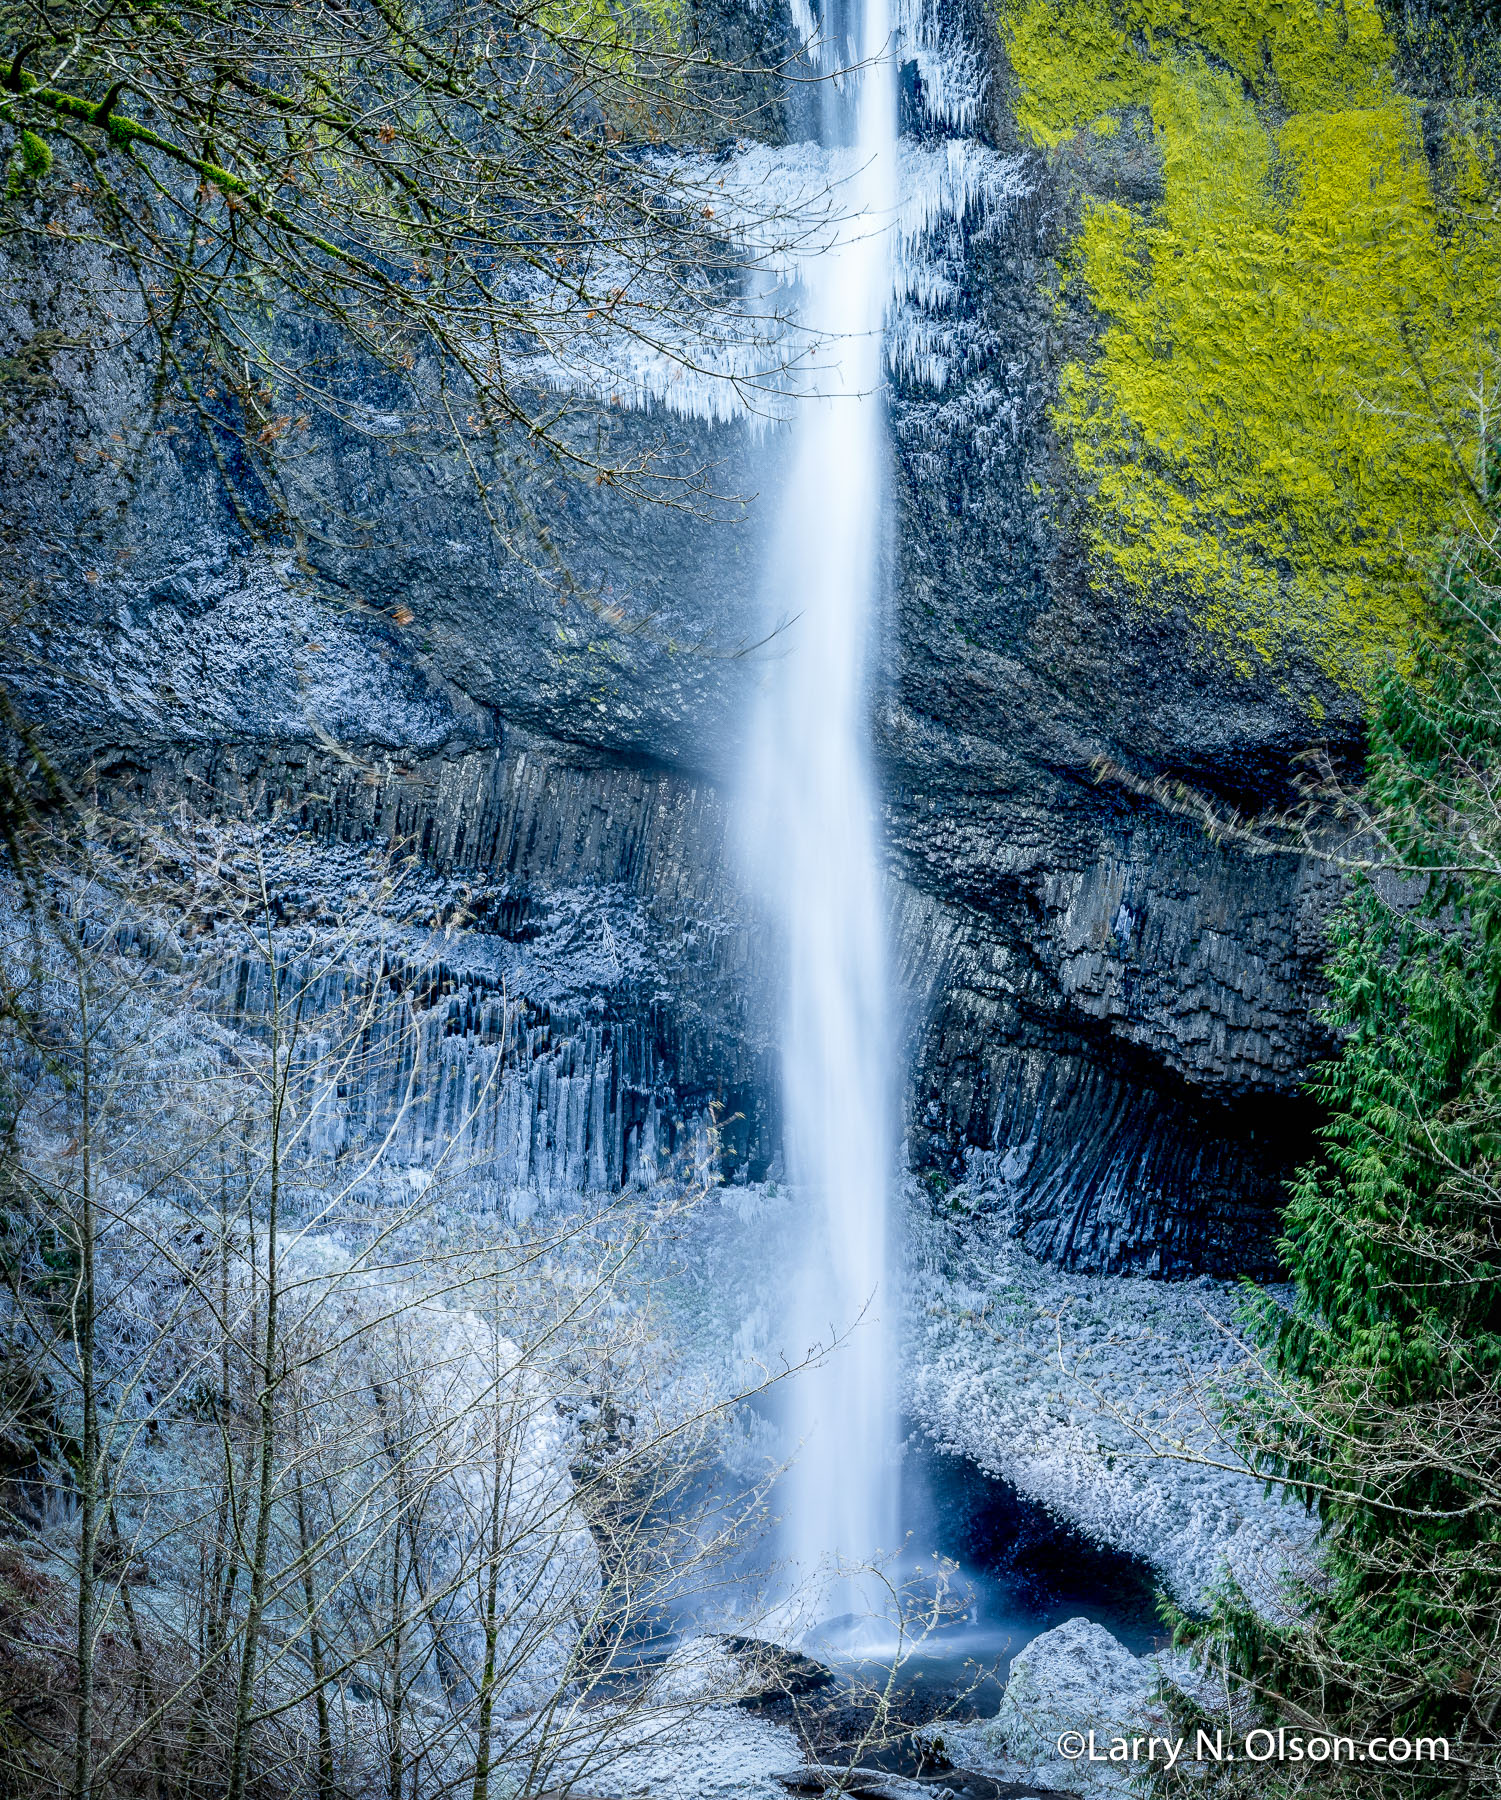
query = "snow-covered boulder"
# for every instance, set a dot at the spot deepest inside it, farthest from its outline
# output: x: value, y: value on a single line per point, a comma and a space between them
x: 700, y: 1670
x: 1075, y: 1678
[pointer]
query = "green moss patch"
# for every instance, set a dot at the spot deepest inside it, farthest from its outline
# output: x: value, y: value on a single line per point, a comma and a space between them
x: 1283, y: 404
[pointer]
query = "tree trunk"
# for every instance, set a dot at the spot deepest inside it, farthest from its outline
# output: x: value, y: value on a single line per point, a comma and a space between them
x: 85, y: 1307
x: 315, y: 1652
x: 239, y: 1756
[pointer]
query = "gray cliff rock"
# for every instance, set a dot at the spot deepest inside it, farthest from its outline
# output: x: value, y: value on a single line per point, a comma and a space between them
x: 1093, y: 990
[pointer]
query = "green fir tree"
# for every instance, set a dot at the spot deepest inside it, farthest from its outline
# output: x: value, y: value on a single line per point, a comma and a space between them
x: 1384, y: 1404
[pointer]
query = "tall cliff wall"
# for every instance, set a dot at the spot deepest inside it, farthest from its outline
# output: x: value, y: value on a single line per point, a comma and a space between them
x: 1115, y: 1007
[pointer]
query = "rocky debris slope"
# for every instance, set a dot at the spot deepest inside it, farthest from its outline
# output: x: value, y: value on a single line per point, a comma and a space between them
x: 1088, y: 1394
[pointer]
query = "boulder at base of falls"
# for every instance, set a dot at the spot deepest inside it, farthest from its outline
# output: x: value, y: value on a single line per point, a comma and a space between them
x: 1075, y: 1678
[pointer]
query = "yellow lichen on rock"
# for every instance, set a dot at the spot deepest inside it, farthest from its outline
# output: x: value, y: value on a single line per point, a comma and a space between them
x: 1271, y: 426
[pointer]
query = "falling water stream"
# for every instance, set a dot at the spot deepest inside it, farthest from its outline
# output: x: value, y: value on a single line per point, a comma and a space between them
x: 818, y: 852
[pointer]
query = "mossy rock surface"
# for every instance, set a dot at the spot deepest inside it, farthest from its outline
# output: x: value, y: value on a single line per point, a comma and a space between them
x: 1279, y: 414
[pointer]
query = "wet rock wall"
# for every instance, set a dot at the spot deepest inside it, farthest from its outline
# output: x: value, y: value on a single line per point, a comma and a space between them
x: 1095, y: 994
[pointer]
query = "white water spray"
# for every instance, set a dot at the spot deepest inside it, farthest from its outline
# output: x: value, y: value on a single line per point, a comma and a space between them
x: 818, y: 845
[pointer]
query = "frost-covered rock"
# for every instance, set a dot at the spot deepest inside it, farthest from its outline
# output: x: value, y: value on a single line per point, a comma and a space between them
x: 701, y: 1669
x: 864, y: 1784
x: 1074, y: 1678
x: 1078, y: 1682
x: 715, y: 1753
x: 1095, y: 1395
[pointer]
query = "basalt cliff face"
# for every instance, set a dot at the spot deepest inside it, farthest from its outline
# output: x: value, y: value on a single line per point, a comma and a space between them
x: 1114, y: 1007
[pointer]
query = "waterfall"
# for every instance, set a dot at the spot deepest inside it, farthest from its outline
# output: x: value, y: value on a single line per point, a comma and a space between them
x: 817, y: 850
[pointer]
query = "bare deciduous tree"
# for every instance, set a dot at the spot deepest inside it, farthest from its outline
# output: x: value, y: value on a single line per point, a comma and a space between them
x: 461, y: 220
x: 342, y: 1487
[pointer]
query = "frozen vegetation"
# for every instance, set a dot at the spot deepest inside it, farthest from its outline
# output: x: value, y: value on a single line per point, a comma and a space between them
x: 1092, y: 1394
x: 361, y: 1462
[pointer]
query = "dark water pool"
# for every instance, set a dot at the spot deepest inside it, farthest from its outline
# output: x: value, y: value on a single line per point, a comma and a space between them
x: 1021, y: 1572
x: 1030, y: 1566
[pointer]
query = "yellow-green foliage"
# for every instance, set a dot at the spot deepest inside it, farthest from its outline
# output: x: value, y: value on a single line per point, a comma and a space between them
x: 1257, y: 428
x: 616, y: 33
